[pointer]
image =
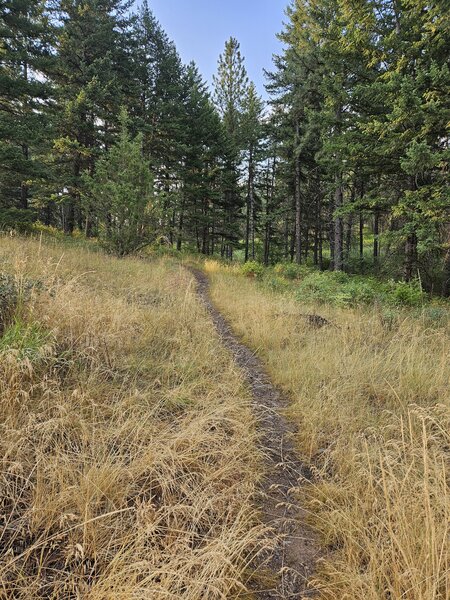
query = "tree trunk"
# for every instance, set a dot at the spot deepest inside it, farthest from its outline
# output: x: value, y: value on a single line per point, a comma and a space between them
x: 293, y: 239
x: 316, y: 246
x: 88, y: 226
x: 197, y: 239
x: 317, y: 228
x: 69, y: 217
x: 213, y: 232
x: 376, y: 233
x: 410, y: 256
x: 267, y: 236
x: 446, y: 275
x: 330, y: 227
x: 349, y: 227
x: 69, y: 208
x: 338, y: 237
x: 348, y: 236
x: 25, y: 152
x: 247, y: 229
x: 286, y: 236
x: 270, y: 190
x: 251, y: 193
x: 338, y: 202
x: 48, y: 213
x: 180, y: 229
x: 361, y: 236
x: 320, y: 251
x: 24, y: 186
x: 298, y: 214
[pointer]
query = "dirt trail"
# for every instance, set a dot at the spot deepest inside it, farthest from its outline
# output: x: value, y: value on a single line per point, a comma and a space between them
x: 294, y: 558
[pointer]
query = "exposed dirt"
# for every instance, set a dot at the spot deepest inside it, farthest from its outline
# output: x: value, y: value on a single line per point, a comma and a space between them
x: 296, y: 552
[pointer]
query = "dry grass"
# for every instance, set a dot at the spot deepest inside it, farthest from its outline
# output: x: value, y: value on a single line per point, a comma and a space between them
x: 372, y: 401
x: 128, y: 460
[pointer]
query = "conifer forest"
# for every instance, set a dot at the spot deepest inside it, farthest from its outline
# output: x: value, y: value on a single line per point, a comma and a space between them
x: 224, y: 300
x: 105, y: 131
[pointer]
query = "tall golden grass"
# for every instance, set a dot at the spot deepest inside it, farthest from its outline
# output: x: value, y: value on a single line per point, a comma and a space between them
x: 372, y: 403
x: 128, y: 455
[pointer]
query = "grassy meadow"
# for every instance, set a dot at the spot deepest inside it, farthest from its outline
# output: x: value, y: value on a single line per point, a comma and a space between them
x: 371, y: 396
x: 128, y: 452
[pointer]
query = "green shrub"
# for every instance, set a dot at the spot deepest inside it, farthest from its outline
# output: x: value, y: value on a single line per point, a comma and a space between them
x: 389, y: 318
x: 276, y: 284
x: 362, y: 292
x: 291, y: 270
x: 435, y: 316
x: 9, y: 297
x: 252, y: 269
x: 337, y: 287
x: 338, y: 276
x: 321, y: 287
x: 340, y: 289
x: 17, y: 219
x: 407, y: 294
x: 48, y: 230
x: 13, y: 295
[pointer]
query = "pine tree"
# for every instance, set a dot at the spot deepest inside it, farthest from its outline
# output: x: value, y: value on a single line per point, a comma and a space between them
x: 90, y: 90
x: 159, y: 113
x: 230, y: 87
x: 297, y: 85
x: 252, y: 133
x: 24, y: 101
x: 123, y: 195
x: 198, y: 208
x: 407, y: 110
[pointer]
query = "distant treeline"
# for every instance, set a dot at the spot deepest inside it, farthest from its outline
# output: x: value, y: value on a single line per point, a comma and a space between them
x: 104, y: 130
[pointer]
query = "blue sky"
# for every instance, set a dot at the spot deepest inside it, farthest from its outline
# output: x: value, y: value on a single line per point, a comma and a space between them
x: 200, y: 28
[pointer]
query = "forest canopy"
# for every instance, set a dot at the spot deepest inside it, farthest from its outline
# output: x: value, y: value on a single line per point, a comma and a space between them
x: 103, y: 130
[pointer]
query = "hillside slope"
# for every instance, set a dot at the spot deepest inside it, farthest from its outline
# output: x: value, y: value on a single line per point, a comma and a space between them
x: 370, y: 393
x: 128, y: 449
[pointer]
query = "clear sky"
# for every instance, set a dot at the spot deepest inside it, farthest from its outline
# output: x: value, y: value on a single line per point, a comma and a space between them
x: 200, y: 28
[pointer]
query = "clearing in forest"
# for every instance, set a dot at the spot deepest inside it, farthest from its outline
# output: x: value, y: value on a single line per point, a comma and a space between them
x: 369, y: 392
x: 146, y: 455
x: 128, y: 445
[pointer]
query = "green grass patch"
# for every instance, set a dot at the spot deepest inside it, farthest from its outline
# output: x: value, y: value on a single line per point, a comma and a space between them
x: 28, y: 340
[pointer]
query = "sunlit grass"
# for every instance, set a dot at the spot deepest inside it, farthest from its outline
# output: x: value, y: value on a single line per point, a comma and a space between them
x: 128, y: 450
x: 371, y: 397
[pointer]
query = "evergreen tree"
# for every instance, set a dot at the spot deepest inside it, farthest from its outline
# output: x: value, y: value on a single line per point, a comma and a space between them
x: 123, y: 195
x: 90, y: 90
x: 355, y: 142
x: 407, y: 112
x: 24, y: 101
x: 199, y: 212
x: 159, y: 112
x: 251, y: 137
x: 230, y: 87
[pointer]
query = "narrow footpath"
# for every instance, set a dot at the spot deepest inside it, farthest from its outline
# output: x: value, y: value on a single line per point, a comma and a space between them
x: 296, y: 553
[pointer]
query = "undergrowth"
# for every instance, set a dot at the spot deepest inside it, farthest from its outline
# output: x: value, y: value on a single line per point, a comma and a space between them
x: 328, y: 287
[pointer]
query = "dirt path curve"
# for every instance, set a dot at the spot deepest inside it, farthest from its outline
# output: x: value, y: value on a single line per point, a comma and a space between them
x: 294, y: 558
